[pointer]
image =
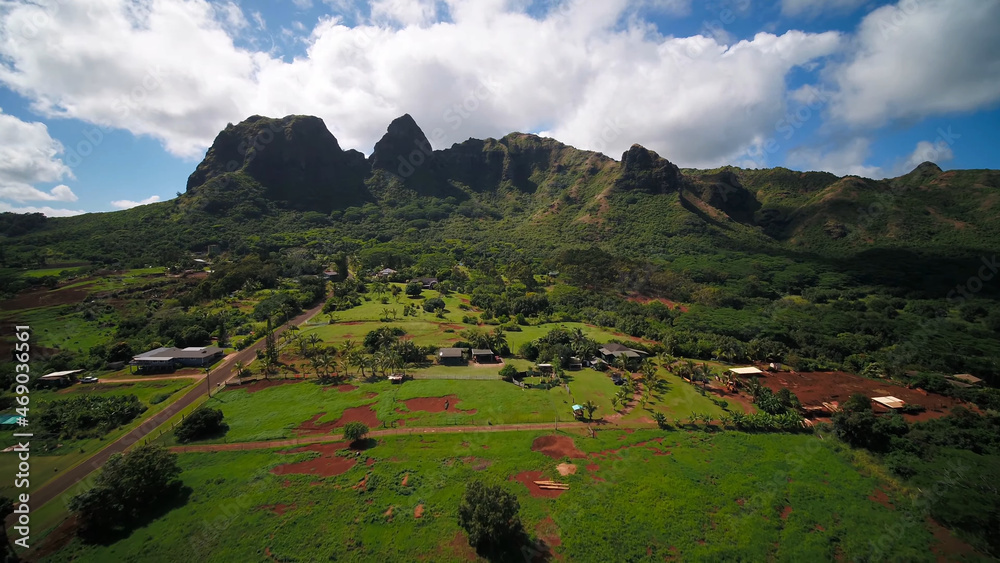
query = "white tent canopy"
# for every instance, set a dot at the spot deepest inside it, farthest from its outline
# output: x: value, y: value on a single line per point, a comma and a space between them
x: 746, y: 371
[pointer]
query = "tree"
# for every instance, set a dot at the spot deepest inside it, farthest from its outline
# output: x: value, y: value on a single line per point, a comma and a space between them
x: 355, y: 431
x: 489, y: 515
x: 240, y: 368
x: 414, y: 288
x: 203, y: 423
x: 507, y: 372
x: 661, y: 419
x: 6, y: 509
x: 270, y: 346
x: 129, y: 490
x: 590, y: 407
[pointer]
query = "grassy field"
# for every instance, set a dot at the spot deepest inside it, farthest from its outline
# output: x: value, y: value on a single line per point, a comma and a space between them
x: 693, y: 496
x: 47, y: 465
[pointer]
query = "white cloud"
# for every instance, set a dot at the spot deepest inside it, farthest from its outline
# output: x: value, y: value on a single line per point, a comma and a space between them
x: 927, y: 151
x: 588, y: 73
x: 47, y: 211
x: 232, y: 16
x: 846, y: 159
x: 917, y: 59
x: 405, y: 12
x: 813, y: 8
x: 303, y: 4
x: 29, y: 156
x: 129, y: 204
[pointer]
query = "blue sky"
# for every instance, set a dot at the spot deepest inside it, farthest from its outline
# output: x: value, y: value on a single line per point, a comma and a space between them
x: 105, y: 104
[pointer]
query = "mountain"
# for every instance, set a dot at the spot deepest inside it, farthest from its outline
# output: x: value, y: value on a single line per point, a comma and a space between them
x: 265, y: 178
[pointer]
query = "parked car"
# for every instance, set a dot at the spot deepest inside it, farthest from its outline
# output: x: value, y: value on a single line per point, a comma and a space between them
x: 89, y: 379
x: 617, y: 379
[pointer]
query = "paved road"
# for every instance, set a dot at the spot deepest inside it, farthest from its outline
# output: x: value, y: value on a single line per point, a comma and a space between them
x: 220, y: 374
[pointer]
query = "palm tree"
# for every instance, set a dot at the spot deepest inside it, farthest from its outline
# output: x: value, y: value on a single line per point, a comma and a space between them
x: 590, y: 407
x: 241, y: 369
x: 615, y: 401
x: 314, y: 341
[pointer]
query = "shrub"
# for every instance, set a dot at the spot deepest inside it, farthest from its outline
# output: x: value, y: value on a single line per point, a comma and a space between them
x: 202, y: 423
x: 508, y: 372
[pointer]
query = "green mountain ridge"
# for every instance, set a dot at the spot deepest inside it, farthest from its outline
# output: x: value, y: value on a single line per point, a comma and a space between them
x: 267, y: 182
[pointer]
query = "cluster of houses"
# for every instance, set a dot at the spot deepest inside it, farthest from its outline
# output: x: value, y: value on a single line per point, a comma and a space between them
x: 462, y: 356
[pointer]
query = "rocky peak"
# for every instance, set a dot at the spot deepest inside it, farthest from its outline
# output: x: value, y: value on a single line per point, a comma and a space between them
x: 644, y: 170
x: 403, y: 147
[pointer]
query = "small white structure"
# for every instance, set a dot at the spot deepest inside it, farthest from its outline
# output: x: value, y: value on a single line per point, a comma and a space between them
x: 889, y: 402
x: 746, y: 371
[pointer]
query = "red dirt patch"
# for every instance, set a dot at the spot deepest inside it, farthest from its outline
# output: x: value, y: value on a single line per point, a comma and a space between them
x: 556, y: 447
x: 785, y: 512
x: 370, y: 395
x: 813, y: 388
x: 436, y: 404
x: 477, y: 464
x: 947, y: 547
x: 364, y: 414
x: 388, y: 513
x: 528, y: 478
x: 406, y: 479
x: 346, y: 388
x: 370, y: 462
x: 418, y: 512
x: 278, y: 509
x: 45, y: 298
x: 593, y: 467
x: 266, y: 384
x: 882, y: 498
x: 327, y: 464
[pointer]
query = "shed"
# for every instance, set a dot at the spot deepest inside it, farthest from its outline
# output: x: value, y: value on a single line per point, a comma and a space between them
x: 967, y: 378
x: 396, y: 378
x: 61, y: 377
x: 575, y: 363
x: 483, y: 356
x: 451, y: 356
x: 545, y: 368
x: 743, y: 372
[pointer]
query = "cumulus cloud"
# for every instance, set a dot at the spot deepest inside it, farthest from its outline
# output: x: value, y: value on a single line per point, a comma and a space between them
x: 129, y: 204
x: 29, y: 156
x: 586, y: 72
x: 917, y: 59
x: 47, y: 211
x: 843, y: 159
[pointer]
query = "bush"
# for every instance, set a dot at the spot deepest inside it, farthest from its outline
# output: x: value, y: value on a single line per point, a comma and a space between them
x: 434, y: 304
x: 508, y: 372
x: 414, y: 288
x: 89, y: 416
x: 201, y: 424
x: 159, y: 398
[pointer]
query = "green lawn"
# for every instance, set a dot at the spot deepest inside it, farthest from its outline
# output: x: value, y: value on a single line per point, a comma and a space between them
x: 713, y: 497
x: 46, y: 465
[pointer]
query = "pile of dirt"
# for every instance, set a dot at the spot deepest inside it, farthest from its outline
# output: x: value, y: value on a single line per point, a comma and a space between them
x: 436, y: 404
x: 418, y: 512
x: 327, y: 464
x: 346, y: 388
x: 565, y: 469
x: 528, y: 478
x: 557, y: 447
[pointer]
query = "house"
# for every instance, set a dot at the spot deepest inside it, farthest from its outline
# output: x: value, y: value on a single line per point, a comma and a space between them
x: 612, y: 350
x: 61, y: 378
x: 330, y: 273
x: 426, y: 283
x: 484, y: 356
x: 889, y: 402
x: 967, y: 378
x: 169, y: 359
x: 747, y: 371
x: 545, y: 369
x: 451, y: 356
x: 387, y: 272
x: 575, y: 363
